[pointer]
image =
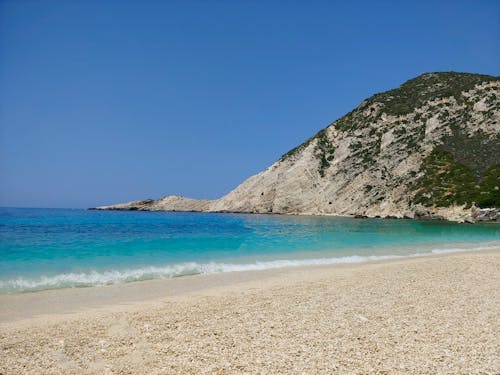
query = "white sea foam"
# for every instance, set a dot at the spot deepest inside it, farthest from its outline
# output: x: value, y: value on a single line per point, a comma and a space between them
x: 64, y: 280
x: 492, y: 246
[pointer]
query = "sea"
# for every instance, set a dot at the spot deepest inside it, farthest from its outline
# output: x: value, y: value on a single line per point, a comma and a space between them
x: 67, y: 248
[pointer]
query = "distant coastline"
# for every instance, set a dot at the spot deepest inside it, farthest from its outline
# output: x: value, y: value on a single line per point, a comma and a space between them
x: 457, y: 214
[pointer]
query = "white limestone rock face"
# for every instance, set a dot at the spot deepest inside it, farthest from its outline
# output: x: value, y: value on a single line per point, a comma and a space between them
x: 279, y: 189
x: 368, y: 163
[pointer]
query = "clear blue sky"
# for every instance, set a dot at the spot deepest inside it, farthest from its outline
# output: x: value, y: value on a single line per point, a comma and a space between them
x: 110, y: 101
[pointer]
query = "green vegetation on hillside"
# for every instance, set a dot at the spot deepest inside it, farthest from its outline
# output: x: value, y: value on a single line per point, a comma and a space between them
x: 446, y: 182
x: 324, y: 151
x: 490, y: 188
x: 463, y: 170
x: 368, y: 152
x: 410, y: 95
x: 478, y: 151
x: 429, y: 86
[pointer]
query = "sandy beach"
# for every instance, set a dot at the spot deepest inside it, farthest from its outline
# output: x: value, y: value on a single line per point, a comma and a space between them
x: 436, y: 315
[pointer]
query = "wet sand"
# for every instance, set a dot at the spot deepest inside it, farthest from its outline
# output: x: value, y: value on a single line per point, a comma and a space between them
x: 436, y: 314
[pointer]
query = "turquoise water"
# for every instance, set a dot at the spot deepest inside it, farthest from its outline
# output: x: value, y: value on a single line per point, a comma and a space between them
x: 56, y: 248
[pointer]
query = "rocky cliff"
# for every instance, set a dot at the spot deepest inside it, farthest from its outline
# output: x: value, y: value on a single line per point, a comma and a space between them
x: 430, y: 148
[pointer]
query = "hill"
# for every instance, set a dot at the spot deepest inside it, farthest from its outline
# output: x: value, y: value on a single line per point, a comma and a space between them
x: 429, y: 148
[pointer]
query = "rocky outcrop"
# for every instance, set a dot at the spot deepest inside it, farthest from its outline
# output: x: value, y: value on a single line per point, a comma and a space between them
x: 485, y: 214
x: 168, y: 203
x: 430, y: 148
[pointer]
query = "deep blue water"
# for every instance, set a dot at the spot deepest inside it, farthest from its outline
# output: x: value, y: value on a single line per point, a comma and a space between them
x: 54, y: 248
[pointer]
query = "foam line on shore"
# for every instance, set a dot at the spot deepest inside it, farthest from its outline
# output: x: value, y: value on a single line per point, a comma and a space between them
x: 95, y: 278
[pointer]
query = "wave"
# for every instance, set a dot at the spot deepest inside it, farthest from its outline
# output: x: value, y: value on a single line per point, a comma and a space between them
x: 95, y: 278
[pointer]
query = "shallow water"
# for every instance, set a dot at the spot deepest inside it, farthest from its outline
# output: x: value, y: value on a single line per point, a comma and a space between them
x: 56, y: 248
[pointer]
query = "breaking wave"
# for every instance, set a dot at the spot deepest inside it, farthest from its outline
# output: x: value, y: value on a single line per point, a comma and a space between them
x: 95, y: 278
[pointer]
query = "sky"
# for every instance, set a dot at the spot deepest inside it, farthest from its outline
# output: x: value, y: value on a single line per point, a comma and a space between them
x: 111, y: 101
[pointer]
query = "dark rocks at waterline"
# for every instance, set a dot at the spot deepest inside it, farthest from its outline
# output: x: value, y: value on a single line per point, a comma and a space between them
x: 487, y: 214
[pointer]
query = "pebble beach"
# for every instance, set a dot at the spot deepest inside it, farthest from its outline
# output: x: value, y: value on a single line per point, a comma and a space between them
x: 423, y: 315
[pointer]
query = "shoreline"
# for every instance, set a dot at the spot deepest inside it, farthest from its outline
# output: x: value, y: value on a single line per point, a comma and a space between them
x: 190, y: 269
x: 65, y: 302
x: 453, y: 214
x: 426, y: 314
